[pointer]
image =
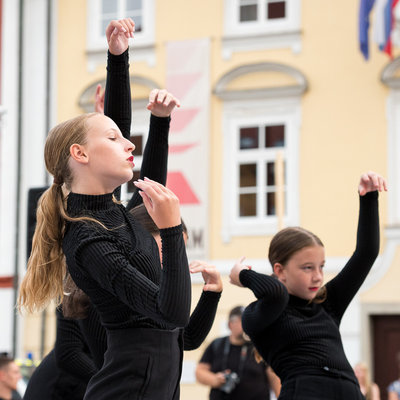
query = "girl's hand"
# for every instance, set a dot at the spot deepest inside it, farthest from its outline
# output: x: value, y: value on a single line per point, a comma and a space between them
x: 161, y: 103
x: 160, y: 202
x: 118, y: 34
x: 235, y: 271
x: 211, y: 276
x: 99, y: 100
x: 371, y: 181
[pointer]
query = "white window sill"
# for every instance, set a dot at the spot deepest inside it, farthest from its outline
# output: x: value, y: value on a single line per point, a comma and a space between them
x: 255, y: 228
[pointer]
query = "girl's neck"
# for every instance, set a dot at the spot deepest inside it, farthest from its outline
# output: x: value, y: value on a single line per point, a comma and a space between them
x: 90, y: 187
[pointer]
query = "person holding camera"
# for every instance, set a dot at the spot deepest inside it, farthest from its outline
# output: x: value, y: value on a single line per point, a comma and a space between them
x: 228, y: 366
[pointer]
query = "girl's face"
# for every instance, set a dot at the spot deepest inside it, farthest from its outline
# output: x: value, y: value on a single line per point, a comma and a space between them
x: 303, y: 273
x: 109, y: 154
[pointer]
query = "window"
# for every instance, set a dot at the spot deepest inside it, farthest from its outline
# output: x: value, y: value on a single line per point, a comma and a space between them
x: 257, y: 188
x: 138, y: 139
x: 262, y: 11
x: 261, y: 24
x: 117, y: 9
x: 101, y: 12
x: 261, y: 167
x: 261, y: 129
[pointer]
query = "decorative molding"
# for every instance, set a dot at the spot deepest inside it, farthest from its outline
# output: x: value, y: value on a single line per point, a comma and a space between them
x: 388, y: 77
x: 222, y: 92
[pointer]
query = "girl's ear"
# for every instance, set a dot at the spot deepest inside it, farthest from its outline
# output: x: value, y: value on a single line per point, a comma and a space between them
x: 279, y: 271
x: 78, y: 153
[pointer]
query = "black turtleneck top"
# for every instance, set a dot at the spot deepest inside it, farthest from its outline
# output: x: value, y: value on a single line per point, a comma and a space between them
x: 118, y: 265
x: 297, y: 337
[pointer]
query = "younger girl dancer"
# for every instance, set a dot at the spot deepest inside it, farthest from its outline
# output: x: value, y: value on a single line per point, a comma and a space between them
x: 294, y: 324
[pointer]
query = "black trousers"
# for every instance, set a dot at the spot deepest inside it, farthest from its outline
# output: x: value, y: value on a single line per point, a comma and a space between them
x: 139, y: 364
x: 314, y: 387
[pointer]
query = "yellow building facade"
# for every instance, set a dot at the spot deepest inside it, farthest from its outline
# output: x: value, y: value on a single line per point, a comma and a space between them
x: 279, y: 79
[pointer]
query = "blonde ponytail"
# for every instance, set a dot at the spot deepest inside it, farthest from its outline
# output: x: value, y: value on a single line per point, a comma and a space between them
x: 46, y: 271
x: 46, y: 265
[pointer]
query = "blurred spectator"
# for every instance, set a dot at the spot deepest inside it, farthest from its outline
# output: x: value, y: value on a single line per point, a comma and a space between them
x: 369, y: 389
x: 228, y: 366
x: 9, y: 377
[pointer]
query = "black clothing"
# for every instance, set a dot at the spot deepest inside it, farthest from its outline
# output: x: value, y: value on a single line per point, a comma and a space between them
x: 119, y: 269
x: 118, y: 266
x: 48, y: 382
x: 222, y: 355
x: 71, y: 350
x: 154, y: 363
x: 306, y: 387
x: 66, y: 370
x: 298, y: 338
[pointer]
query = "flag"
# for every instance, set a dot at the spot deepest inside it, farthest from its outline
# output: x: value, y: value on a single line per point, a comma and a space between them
x: 389, y: 24
x: 378, y: 32
x: 365, y: 9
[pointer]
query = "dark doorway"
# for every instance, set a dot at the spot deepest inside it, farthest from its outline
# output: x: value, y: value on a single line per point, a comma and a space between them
x: 386, y: 346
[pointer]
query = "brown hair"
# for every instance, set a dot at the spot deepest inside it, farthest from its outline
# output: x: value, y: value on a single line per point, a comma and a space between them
x: 46, y: 271
x: 289, y: 241
x: 5, y: 361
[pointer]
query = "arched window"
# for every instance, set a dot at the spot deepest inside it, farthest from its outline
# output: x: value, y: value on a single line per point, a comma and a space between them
x: 261, y: 127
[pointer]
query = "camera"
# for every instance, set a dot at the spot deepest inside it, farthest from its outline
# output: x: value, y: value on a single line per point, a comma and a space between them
x: 231, y: 380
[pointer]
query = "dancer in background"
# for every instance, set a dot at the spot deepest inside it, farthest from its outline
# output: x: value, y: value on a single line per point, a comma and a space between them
x: 369, y: 389
x: 294, y: 324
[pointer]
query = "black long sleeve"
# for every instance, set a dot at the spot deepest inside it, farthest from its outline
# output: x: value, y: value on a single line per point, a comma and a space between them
x: 272, y: 296
x: 95, y: 335
x: 344, y: 286
x: 201, y: 320
x: 117, y: 99
x: 155, y: 156
x: 71, y: 352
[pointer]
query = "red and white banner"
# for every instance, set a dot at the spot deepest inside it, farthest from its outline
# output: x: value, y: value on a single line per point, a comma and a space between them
x: 188, y: 78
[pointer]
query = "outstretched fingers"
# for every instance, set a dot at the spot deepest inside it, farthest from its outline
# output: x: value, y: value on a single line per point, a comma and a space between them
x: 161, y: 102
x: 371, y: 181
x: 161, y: 203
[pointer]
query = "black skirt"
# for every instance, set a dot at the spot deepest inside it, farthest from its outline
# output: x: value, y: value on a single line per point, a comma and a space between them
x: 139, y: 364
x: 317, y: 387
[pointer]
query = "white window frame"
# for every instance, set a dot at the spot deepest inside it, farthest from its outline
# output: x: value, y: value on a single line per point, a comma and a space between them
x: 255, y: 113
x: 97, y: 43
x: 263, y: 33
x: 141, y: 119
